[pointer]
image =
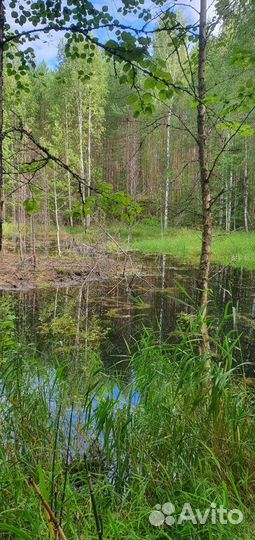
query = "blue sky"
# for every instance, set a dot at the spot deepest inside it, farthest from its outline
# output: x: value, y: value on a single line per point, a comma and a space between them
x: 47, y: 47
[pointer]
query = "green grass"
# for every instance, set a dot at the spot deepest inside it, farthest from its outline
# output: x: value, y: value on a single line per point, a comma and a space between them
x: 236, y: 249
x: 170, y: 431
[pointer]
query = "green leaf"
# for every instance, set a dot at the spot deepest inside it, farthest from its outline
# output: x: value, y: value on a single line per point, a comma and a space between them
x: 22, y: 20
x: 42, y: 483
x: 163, y: 95
x: 149, y: 109
x: 17, y: 533
x: 111, y: 44
x: 149, y: 83
x: 147, y: 98
x: 127, y: 67
x: 133, y: 99
x: 165, y: 75
x: 123, y: 79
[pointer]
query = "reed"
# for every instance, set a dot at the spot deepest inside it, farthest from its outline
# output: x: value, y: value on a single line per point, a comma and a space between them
x: 156, y: 435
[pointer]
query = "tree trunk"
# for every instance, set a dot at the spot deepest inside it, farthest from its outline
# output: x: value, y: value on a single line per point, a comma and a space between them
x: 246, y: 188
x: 82, y: 169
x: 167, y: 170
x: 56, y: 214
x: 89, y: 153
x: 221, y: 215
x: 229, y: 201
x: 235, y: 205
x: 19, y: 223
x: 132, y: 158
x: 204, y: 266
x: 46, y: 214
x: 32, y: 236
x: 1, y: 122
x: 68, y: 174
x: 226, y: 202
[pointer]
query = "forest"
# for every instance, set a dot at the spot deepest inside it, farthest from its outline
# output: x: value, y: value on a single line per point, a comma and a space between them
x: 127, y: 269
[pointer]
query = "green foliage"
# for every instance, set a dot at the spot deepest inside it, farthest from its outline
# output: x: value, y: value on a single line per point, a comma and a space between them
x: 31, y: 206
x: 31, y: 167
x: 232, y: 127
x: 118, y: 204
x: 115, y: 204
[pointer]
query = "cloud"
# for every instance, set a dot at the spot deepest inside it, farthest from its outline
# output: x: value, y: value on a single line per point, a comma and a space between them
x: 46, y: 48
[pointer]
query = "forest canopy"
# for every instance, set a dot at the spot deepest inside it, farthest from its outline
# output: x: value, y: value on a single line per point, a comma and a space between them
x: 109, y: 107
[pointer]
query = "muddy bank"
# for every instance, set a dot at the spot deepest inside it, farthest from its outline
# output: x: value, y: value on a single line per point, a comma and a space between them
x: 51, y: 270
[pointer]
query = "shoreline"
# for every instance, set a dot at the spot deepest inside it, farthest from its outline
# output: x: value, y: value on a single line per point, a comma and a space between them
x: 17, y: 276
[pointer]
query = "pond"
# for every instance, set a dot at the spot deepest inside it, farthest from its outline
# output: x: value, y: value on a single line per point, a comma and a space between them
x: 109, y: 315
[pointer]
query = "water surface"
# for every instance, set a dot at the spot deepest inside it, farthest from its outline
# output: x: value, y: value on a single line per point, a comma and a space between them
x: 107, y: 315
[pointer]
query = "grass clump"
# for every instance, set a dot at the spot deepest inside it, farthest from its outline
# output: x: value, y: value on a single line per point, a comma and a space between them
x: 167, y: 432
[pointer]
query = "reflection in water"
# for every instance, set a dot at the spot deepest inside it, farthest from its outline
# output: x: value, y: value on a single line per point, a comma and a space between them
x: 105, y: 315
x: 163, y: 286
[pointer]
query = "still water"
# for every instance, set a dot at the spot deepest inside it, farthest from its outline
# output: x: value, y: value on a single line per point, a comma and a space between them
x: 110, y: 314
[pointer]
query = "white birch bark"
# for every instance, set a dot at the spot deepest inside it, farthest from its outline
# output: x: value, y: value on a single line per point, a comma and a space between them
x: 68, y: 174
x: 56, y: 213
x: 82, y: 168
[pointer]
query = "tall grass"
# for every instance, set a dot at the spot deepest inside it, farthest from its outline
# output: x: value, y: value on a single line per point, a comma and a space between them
x: 164, y: 434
